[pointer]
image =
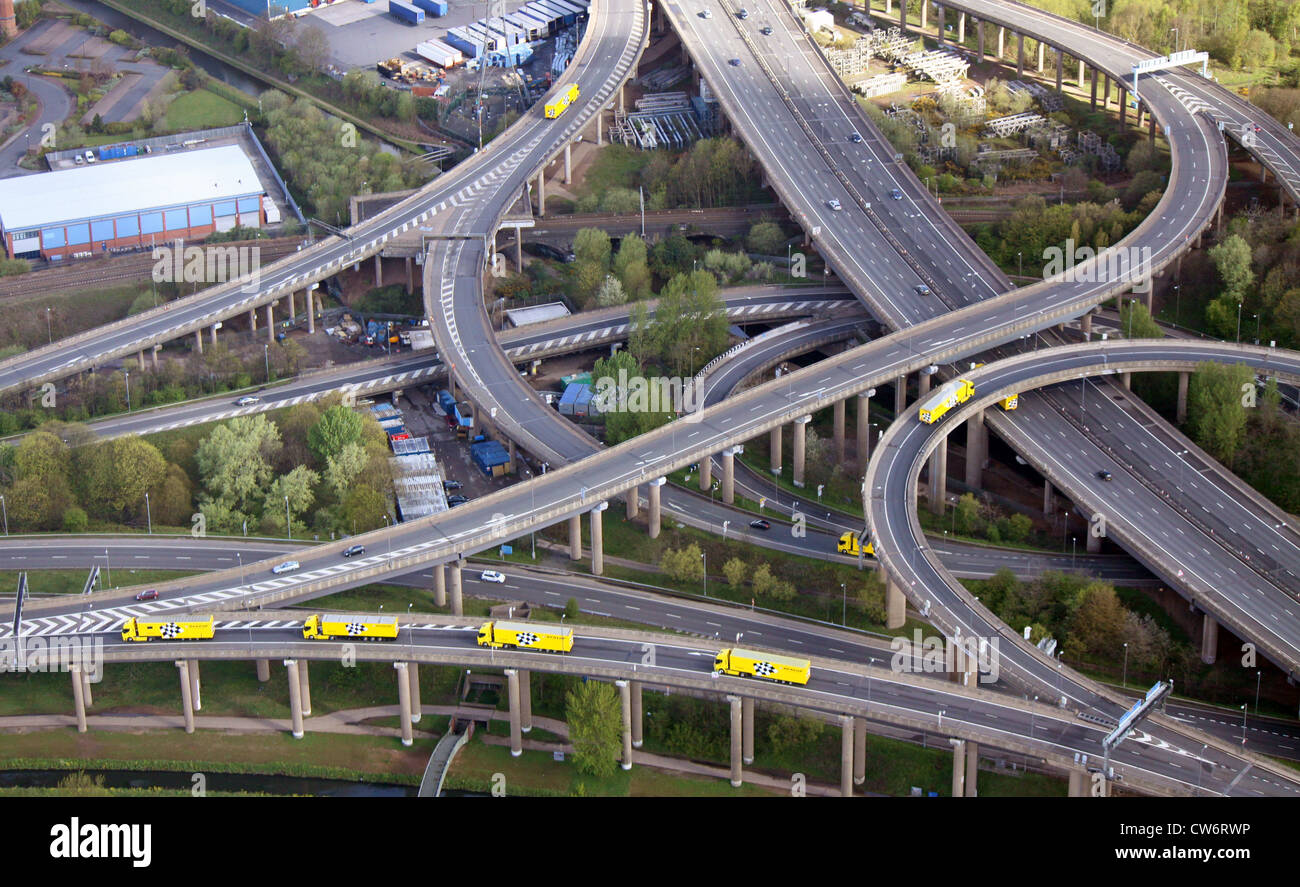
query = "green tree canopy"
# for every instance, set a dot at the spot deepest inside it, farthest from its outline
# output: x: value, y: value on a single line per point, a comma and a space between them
x: 595, y: 719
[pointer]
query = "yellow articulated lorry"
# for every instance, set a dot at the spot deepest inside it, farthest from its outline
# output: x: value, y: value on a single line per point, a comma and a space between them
x: 944, y: 398
x: 323, y: 626
x: 561, y: 102
x: 849, y: 544
x: 189, y: 628
x: 526, y: 635
x: 768, y: 666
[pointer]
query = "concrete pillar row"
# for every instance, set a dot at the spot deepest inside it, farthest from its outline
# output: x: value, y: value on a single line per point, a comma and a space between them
x: 575, y: 537
x: 413, y: 677
x: 736, y: 737
x: 747, y: 729
x: 837, y: 422
x: 404, y: 702
x: 597, y: 540
x: 774, y: 445
x: 295, y: 698
x: 625, y: 702
x: 1209, y: 639
x: 800, y: 429
x: 656, y: 510
x: 895, y: 604
x: 512, y: 690
x: 859, y: 751
x: 846, y: 752
x: 525, y: 701
x: 454, y: 583
x: 637, y: 720
x: 78, y: 697
x: 439, y: 585
x: 1182, y: 397
x: 263, y: 669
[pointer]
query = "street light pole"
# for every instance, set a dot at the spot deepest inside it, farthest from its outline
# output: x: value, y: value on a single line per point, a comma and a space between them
x: 1239, y: 323
x: 1126, y: 664
x: 5, y: 511
x: 128, y: 389
x: 844, y: 610
x: 288, y: 527
x: 704, y: 556
x: 148, y: 513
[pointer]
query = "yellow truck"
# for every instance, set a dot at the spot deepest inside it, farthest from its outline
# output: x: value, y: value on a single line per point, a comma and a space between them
x: 849, y: 544
x: 768, y: 666
x: 190, y: 628
x: 561, y: 102
x: 944, y: 398
x: 1010, y: 402
x: 526, y: 635
x: 365, y: 627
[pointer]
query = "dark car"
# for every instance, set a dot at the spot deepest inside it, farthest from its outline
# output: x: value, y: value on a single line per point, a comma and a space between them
x: 922, y: 289
x: 760, y: 524
x: 456, y: 500
x: 735, y: 63
x: 765, y: 31
x: 1103, y: 474
x: 354, y: 549
x: 856, y: 137
x: 451, y: 485
x: 896, y: 194
x: 150, y: 595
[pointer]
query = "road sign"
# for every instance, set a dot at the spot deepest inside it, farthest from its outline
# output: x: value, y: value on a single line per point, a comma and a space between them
x: 18, y: 602
x: 506, y: 549
x: 91, y: 580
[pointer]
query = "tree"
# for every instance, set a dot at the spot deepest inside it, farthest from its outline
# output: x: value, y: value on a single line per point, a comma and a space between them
x: 295, y: 489
x: 42, y: 456
x: 765, y: 238
x: 118, y: 473
x: 234, y: 461
x: 1231, y: 260
x: 172, y: 500
x: 967, y: 518
x: 37, y: 505
x: 736, y: 572
x: 362, y: 509
x: 75, y: 519
x: 594, y: 715
x: 342, y: 468
x: 1216, y: 414
x: 631, y: 267
x: 571, y: 609
x: 338, y: 427
x: 610, y: 293
x: 685, y: 565
x: 1135, y: 321
x: 592, y: 245
x: 1098, y: 622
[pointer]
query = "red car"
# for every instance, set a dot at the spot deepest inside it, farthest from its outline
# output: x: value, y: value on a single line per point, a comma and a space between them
x: 150, y: 595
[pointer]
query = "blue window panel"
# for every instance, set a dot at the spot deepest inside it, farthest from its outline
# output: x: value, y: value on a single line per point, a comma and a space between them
x: 151, y: 223
x: 128, y: 226
x: 200, y: 215
x: 225, y: 208
x: 249, y: 204
x: 102, y: 230
x: 52, y: 237
x: 176, y: 219
x: 78, y: 234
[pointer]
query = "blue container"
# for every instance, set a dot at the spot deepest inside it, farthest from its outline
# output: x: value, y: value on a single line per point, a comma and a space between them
x: 405, y: 12
x: 433, y: 7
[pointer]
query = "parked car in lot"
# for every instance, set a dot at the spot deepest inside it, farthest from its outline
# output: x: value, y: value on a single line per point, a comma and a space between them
x: 451, y: 485
x: 286, y: 567
x: 352, y: 550
x: 457, y: 500
x: 760, y: 524
x: 247, y: 400
x: 492, y: 576
x: 150, y: 595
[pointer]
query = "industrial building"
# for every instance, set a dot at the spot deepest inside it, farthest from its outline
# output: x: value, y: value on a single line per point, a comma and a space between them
x: 130, y: 204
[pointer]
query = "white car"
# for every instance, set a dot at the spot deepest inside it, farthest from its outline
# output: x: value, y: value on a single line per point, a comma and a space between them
x: 833, y: 204
x: 706, y: 14
x: 90, y: 156
x: 247, y: 401
x: 493, y: 576
x: 286, y: 567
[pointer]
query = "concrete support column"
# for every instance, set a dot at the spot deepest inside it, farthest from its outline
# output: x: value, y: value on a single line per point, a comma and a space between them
x: 410, y: 272
x: 379, y: 271
x: 404, y: 702
x: 729, y: 476
x: 86, y: 689
x: 774, y: 445
x: 311, y: 311
x: 1123, y: 106
x: 1041, y: 47
x: 864, y: 432
x: 1060, y: 68
x: 597, y: 541
x: 290, y: 303
x: 656, y: 511
x: 633, y: 503
x: 304, y: 685
x: 1142, y: 115
x: 958, y: 768
x: 78, y: 697
x: 924, y: 6
x: 516, y: 739
x: 1151, y: 128
x: 139, y: 359
x: 1078, y: 784
x: 1047, y: 497
x: 270, y: 321
x: 212, y: 333
x: 706, y: 473
x: 413, y: 676
x: 1094, y: 542
x: 859, y: 751
x: 198, y: 341
x: 747, y: 729
x: 846, y: 756
x: 525, y: 701
x: 1105, y: 91
x: 457, y: 600
x: 1002, y: 37
x: 895, y: 605
x: 187, y: 699
x: 837, y: 413
x: 1020, y: 55
x: 900, y: 396
x: 519, y: 249
x: 153, y: 355
x: 568, y: 163
x: 575, y: 537
x: 625, y: 699
x: 972, y: 768
x: 902, y: 15
x: 1209, y: 639
x: 1092, y: 103
x: 961, y: 28
x: 922, y: 385
x: 295, y: 698
x: 637, y: 720
x: 736, y: 737
x: 1126, y: 379
x: 979, y: 35
x: 939, y: 477
x: 1085, y: 326
x: 195, y: 697
x: 939, y: 18
x: 541, y: 192
x: 977, y: 444
x: 1182, y: 397
x: 263, y: 669
x: 800, y: 441
x: 252, y: 320
x: 439, y: 585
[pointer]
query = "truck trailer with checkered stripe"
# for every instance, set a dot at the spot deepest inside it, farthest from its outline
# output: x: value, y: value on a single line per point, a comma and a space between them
x: 191, y: 628
x: 768, y: 666
x: 945, y: 398
x: 526, y: 636
x: 323, y: 626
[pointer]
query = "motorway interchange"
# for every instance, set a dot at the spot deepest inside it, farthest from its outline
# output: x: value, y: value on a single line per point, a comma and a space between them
x: 883, y: 250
